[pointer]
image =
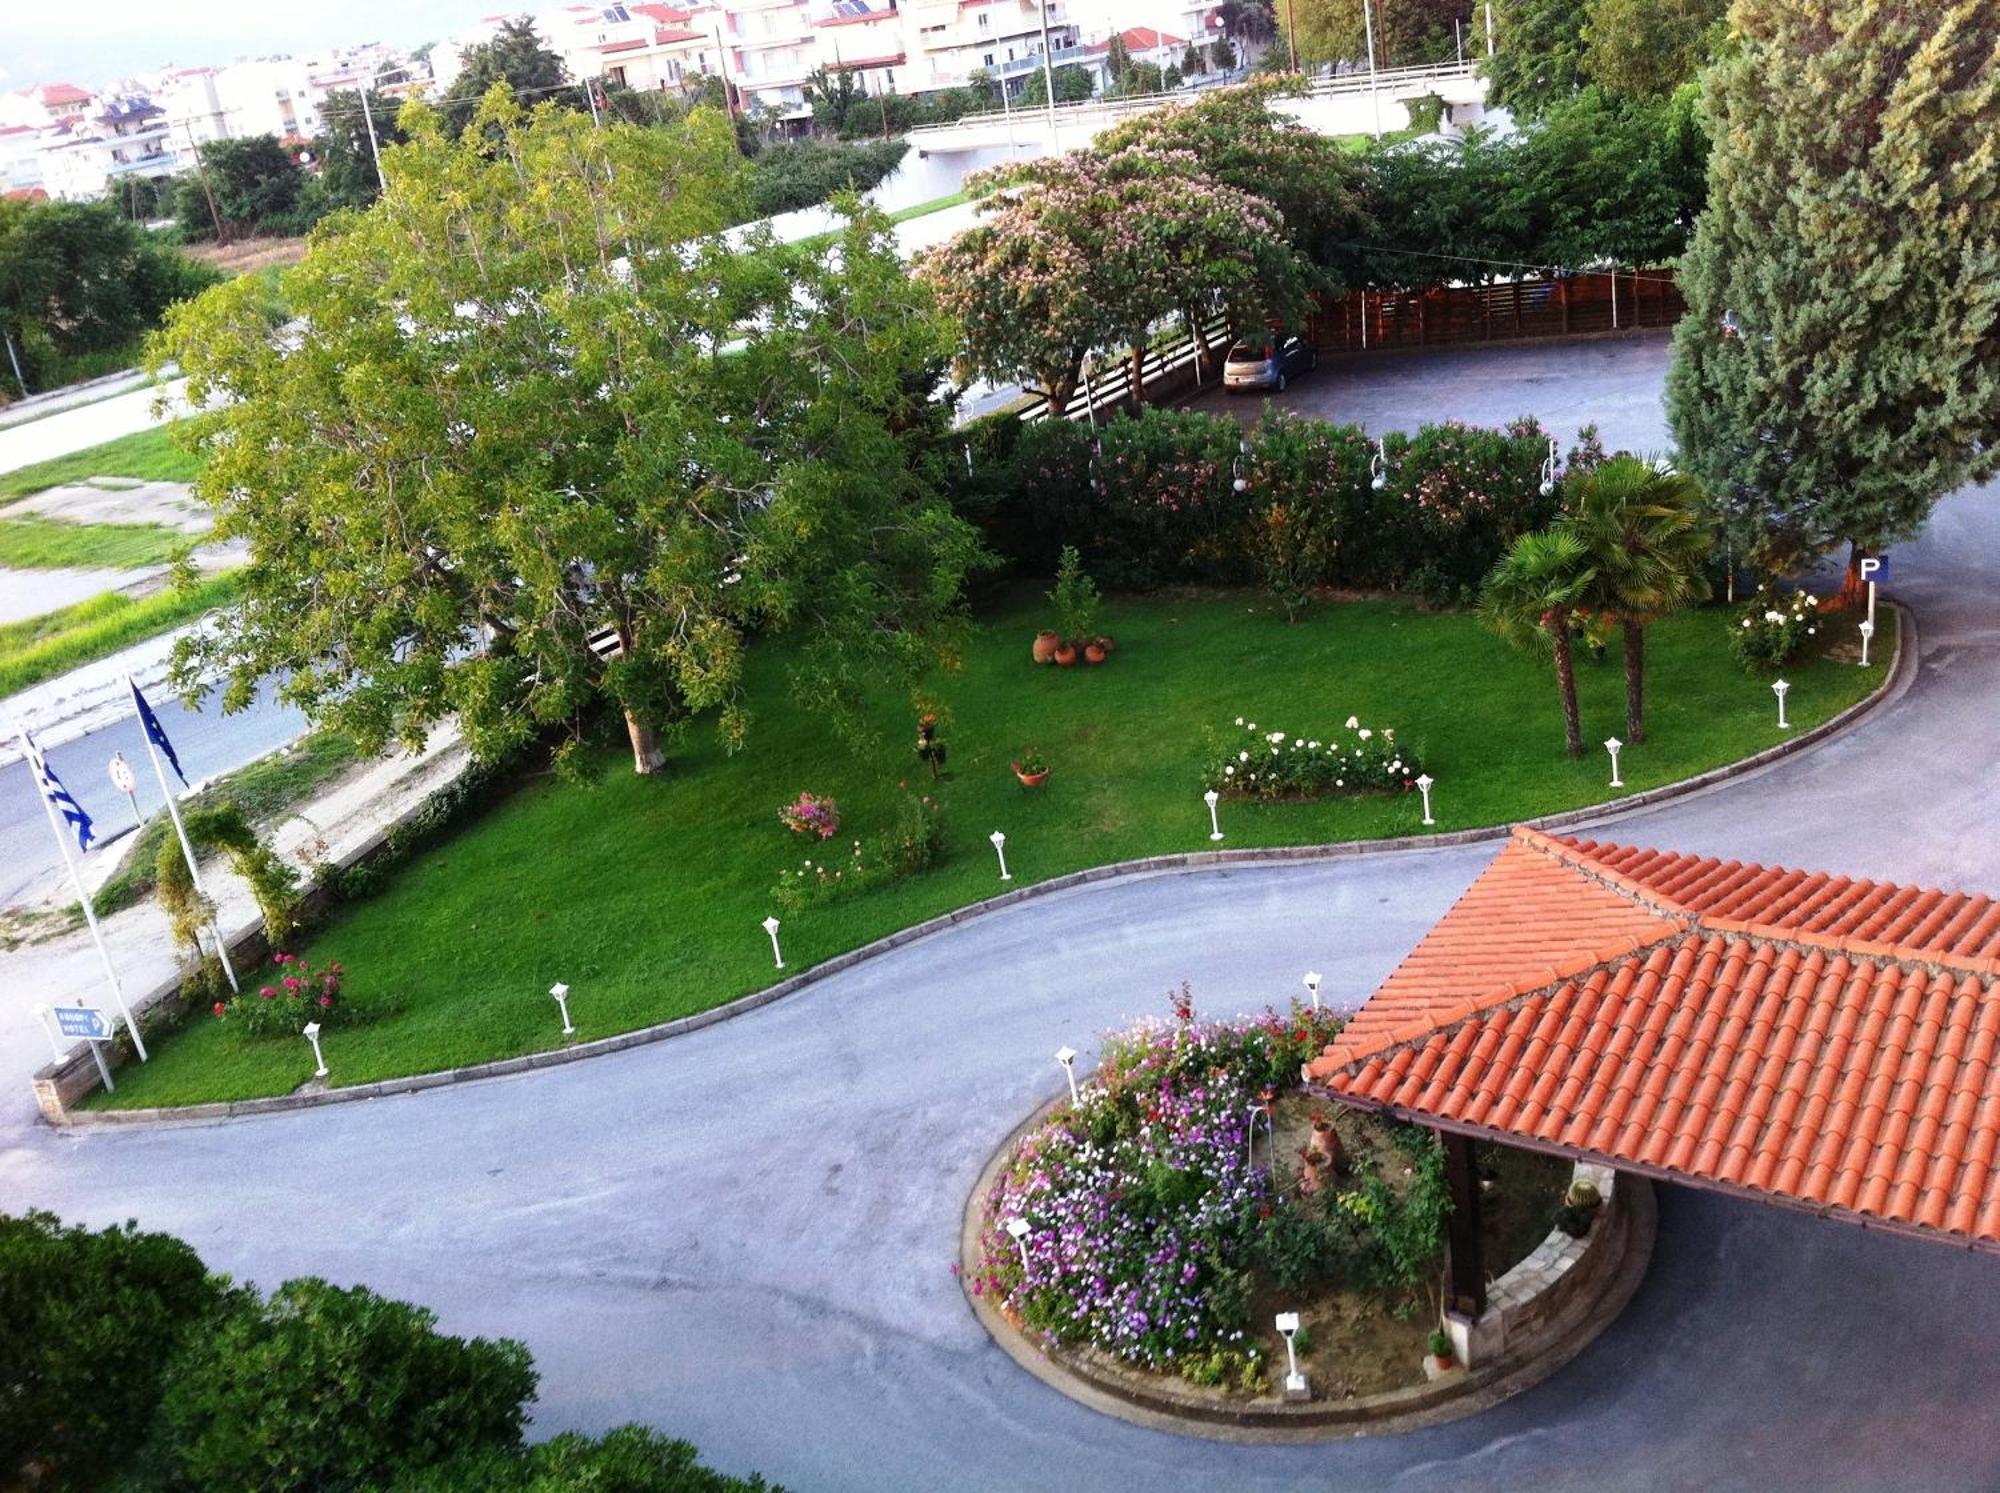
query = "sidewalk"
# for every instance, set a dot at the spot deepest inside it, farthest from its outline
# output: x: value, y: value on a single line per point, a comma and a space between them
x: 66, y: 970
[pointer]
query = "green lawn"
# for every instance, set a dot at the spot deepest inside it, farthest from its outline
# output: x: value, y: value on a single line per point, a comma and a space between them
x: 149, y: 455
x: 53, y: 544
x: 646, y: 895
x: 56, y: 642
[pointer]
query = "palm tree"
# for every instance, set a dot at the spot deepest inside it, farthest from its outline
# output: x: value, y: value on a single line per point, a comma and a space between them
x: 1531, y: 597
x: 1645, y: 529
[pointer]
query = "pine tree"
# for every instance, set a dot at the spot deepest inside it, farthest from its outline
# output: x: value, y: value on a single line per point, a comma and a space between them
x: 1838, y: 370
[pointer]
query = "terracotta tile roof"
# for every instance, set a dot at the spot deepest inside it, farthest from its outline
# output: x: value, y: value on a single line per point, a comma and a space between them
x: 1806, y: 1038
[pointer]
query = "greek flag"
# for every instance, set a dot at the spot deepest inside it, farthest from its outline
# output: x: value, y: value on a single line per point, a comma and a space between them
x: 154, y: 733
x: 56, y: 794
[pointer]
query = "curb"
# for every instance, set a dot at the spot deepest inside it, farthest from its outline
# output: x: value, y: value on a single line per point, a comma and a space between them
x: 1388, y: 1413
x: 1896, y: 682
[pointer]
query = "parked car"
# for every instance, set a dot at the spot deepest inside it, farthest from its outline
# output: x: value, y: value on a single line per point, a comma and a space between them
x: 1268, y: 363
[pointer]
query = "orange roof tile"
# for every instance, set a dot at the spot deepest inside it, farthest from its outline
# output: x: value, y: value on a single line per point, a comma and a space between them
x: 1805, y: 1037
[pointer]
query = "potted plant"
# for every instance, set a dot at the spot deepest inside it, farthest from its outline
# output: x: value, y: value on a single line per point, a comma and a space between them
x: 1093, y: 651
x: 1066, y: 654
x: 1441, y: 1348
x: 1326, y: 1141
x: 1075, y: 597
x: 1032, y: 768
x: 1046, y: 644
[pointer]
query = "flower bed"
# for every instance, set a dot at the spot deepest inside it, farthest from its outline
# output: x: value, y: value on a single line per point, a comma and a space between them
x: 1254, y: 763
x: 1154, y: 1237
x: 914, y: 844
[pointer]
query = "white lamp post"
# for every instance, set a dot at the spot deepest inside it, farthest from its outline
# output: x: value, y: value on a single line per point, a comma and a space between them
x: 1867, y: 635
x: 1295, y: 1382
x: 1549, y: 468
x: 771, y: 927
x: 1018, y: 1227
x: 561, y: 992
x: 1241, y: 483
x: 312, y: 1035
x: 1212, y: 798
x: 1781, y: 689
x: 1378, y: 464
x: 1000, y: 849
x: 1424, y: 784
x: 1312, y: 986
x: 1067, y: 1057
x: 1612, y: 745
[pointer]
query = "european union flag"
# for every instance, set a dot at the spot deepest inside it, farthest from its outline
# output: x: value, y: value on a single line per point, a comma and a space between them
x: 154, y: 734
x: 56, y: 794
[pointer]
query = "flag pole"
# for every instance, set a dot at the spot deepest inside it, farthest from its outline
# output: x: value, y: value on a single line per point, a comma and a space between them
x: 89, y: 913
x: 187, y: 851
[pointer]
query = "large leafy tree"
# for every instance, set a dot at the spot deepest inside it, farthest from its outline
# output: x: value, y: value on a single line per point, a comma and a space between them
x: 1090, y: 250
x: 1539, y: 53
x: 1407, y: 32
x: 1648, y: 48
x: 1839, y: 366
x: 1646, y: 532
x: 346, y: 158
x: 252, y: 181
x: 540, y: 439
x: 532, y: 71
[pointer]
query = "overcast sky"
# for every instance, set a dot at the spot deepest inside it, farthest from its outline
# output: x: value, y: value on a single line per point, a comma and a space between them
x: 96, y: 43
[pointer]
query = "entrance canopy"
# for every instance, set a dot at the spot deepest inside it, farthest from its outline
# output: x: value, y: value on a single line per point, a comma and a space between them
x: 1791, y: 1036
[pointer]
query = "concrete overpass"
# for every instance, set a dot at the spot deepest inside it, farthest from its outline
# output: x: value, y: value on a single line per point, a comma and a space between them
x: 1347, y: 104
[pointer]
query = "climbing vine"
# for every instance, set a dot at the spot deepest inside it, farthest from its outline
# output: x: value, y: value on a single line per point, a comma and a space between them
x: 222, y: 827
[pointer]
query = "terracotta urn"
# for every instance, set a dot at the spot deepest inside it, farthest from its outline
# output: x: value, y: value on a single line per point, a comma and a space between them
x: 1046, y: 644
x: 1093, y: 652
x: 1326, y: 1141
x: 1066, y: 655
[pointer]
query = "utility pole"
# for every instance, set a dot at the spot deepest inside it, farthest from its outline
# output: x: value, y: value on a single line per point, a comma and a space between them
x: 1374, y: 94
x: 1292, y: 34
x: 590, y: 97
x: 722, y: 71
x: 1048, y: 79
x: 201, y: 167
x: 368, y: 118
x: 1489, y: 28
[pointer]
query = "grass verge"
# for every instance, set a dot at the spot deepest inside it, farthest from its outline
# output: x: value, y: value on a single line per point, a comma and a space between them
x: 149, y: 455
x: 53, y: 544
x: 645, y: 895
x: 263, y: 790
x: 56, y: 642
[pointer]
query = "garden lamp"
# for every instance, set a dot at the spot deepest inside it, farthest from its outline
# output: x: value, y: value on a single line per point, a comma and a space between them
x: 1424, y: 784
x: 1067, y: 1057
x: 771, y: 927
x: 1731, y: 327
x: 1378, y: 466
x: 1312, y: 986
x: 1612, y: 745
x: 1212, y: 798
x: 1018, y: 1227
x: 1295, y: 1382
x: 1780, y: 688
x: 1867, y: 634
x: 1000, y: 849
x: 1242, y: 483
x: 561, y: 992
x: 311, y: 1031
x: 1549, y: 468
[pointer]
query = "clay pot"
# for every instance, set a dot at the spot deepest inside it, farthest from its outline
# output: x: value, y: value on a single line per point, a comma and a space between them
x: 1066, y: 655
x: 1046, y: 644
x: 1093, y: 653
x: 1032, y: 779
x: 1104, y: 641
x: 1326, y: 1141
x: 1444, y: 1360
x: 1312, y: 1174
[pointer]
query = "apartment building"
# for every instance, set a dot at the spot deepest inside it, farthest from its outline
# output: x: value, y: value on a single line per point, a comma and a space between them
x: 96, y: 154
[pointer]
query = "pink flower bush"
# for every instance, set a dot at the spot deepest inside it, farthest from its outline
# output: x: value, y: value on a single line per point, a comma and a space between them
x: 812, y: 814
x: 283, y: 1009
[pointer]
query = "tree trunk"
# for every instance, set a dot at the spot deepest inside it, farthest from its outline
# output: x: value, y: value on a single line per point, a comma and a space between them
x: 1853, y: 591
x: 1138, y: 378
x: 647, y: 755
x: 1566, y: 682
x: 1635, y: 682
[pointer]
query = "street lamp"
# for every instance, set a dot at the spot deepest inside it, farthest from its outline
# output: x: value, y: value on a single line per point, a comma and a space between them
x: 1000, y: 849
x: 1549, y: 469
x: 1781, y: 689
x: 1296, y: 1387
x: 1378, y: 466
x: 1611, y: 745
x: 1067, y: 1057
x: 1242, y: 483
x: 1312, y: 986
x: 771, y: 927
x: 311, y: 1031
x: 1867, y: 634
x: 1424, y: 785
x: 1212, y: 798
x: 1018, y: 1227
x: 561, y: 992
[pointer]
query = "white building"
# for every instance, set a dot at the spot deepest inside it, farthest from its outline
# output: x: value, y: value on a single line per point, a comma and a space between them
x: 95, y: 155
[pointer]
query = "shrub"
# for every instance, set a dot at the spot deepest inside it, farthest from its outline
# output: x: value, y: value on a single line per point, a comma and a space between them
x: 1075, y: 597
x: 1307, y: 482
x: 325, y: 1388
x: 811, y: 814
x: 1773, y: 630
x: 914, y: 844
x: 1252, y: 763
x: 90, y: 1320
x: 630, y: 1459
x: 297, y: 993
x: 804, y: 173
x: 1466, y: 494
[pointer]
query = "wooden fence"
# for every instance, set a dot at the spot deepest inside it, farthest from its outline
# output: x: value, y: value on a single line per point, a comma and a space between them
x: 1562, y: 306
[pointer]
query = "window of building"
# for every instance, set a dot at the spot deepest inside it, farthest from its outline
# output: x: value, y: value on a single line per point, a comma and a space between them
x: 985, y: 20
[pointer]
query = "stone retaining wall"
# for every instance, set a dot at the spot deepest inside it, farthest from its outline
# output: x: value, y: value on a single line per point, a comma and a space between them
x: 1562, y: 1269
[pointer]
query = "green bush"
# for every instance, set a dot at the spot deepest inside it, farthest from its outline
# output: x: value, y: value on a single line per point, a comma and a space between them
x: 89, y: 1321
x: 1773, y: 631
x: 630, y: 1459
x: 324, y: 1388
x: 805, y: 173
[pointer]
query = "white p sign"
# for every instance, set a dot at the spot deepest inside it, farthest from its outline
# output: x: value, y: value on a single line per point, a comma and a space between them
x: 1871, y: 567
